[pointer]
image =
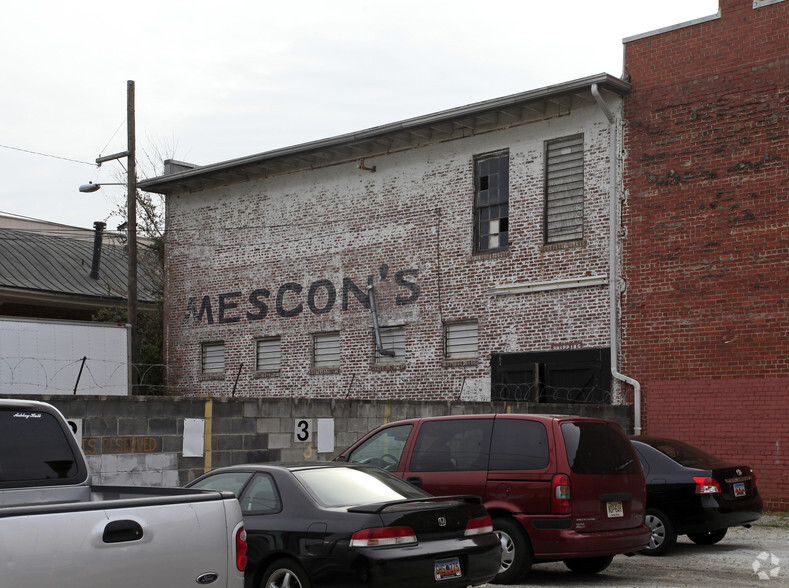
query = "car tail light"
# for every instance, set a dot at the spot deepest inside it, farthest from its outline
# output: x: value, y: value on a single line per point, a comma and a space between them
x: 707, y: 486
x: 382, y: 536
x: 753, y: 479
x: 241, y: 549
x: 479, y: 526
x: 560, y: 494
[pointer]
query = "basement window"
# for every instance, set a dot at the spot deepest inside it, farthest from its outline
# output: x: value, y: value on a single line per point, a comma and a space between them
x: 564, y: 190
x: 326, y: 350
x: 213, y: 358
x: 491, y: 202
x: 393, y: 339
x: 268, y: 354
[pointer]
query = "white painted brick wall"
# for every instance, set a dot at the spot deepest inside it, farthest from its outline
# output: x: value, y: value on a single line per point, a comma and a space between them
x: 341, y: 222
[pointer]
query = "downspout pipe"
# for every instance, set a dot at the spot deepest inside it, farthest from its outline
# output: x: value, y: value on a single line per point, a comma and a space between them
x: 376, y: 329
x: 613, y: 283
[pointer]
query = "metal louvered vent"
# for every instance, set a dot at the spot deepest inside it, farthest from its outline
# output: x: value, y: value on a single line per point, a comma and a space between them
x: 213, y: 358
x: 461, y: 340
x: 564, y: 189
x: 392, y: 338
x: 326, y: 350
x: 268, y: 355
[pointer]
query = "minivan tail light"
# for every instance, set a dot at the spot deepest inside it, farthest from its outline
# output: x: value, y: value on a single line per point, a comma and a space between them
x: 383, y: 536
x: 561, y: 494
x: 707, y: 485
x: 479, y: 526
x: 241, y: 549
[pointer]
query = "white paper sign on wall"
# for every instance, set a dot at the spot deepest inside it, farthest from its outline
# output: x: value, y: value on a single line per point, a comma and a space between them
x: 194, y: 435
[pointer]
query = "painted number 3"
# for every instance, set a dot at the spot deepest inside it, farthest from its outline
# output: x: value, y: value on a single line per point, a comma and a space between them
x: 303, y: 430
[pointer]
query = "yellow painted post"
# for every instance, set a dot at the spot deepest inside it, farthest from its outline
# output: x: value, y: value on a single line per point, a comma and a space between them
x: 209, y: 414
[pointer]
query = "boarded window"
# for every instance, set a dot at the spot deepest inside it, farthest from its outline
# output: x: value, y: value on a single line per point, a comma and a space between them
x: 461, y: 340
x: 213, y: 358
x: 326, y: 350
x: 491, y: 207
x: 558, y: 377
x: 393, y: 339
x: 564, y: 189
x: 268, y: 355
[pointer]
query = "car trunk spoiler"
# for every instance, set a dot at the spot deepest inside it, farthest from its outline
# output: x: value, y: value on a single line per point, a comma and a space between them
x: 379, y: 507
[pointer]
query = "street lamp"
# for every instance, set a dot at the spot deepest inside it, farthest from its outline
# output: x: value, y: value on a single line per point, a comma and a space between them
x: 91, y: 187
x: 131, y: 174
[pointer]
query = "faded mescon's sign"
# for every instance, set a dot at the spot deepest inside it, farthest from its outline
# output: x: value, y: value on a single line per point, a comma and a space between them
x: 291, y: 299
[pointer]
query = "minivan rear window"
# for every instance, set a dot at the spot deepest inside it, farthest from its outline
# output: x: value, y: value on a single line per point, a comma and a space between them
x: 599, y: 448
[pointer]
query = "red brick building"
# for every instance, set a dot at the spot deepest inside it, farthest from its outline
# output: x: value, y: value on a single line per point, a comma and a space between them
x: 705, y: 315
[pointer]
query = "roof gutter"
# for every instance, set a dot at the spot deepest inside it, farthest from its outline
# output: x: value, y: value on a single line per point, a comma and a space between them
x: 613, y: 283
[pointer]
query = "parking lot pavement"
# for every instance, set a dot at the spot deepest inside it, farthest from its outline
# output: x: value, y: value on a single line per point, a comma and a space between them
x: 758, y: 556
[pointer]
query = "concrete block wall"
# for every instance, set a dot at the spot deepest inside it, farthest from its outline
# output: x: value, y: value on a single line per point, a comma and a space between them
x: 139, y: 441
x: 705, y: 313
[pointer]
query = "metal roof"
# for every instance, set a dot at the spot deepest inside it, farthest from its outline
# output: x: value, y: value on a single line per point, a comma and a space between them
x: 481, y: 117
x: 44, y: 269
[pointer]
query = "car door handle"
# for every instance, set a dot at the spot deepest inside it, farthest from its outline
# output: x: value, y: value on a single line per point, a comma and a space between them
x: 122, y: 531
x: 415, y: 480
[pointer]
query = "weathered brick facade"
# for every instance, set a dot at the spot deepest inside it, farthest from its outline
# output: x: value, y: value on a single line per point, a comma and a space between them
x: 706, y: 258
x: 290, y: 254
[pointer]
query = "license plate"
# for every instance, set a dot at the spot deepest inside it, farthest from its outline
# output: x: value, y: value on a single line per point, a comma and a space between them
x: 739, y: 489
x: 448, y: 568
x: 614, y: 509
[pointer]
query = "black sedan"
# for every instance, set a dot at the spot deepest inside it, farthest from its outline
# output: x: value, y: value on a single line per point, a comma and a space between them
x: 693, y: 493
x: 332, y: 524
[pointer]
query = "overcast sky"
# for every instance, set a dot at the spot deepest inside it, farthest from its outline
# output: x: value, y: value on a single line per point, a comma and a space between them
x: 220, y: 80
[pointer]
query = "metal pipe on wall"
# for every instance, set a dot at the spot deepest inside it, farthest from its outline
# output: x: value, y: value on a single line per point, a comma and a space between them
x: 613, y: 284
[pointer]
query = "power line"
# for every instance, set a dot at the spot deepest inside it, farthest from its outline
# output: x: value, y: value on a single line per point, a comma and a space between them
x: 47, y: 155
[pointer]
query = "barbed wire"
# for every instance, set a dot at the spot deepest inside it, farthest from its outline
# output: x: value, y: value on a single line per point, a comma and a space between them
x: 61, y: 376
x: 539, y: 392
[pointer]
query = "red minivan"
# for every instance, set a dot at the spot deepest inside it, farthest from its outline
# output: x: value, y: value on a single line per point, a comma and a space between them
x: 559, y: 488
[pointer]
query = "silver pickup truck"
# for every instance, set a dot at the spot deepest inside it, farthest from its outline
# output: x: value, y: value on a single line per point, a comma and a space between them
x: 58, y: 530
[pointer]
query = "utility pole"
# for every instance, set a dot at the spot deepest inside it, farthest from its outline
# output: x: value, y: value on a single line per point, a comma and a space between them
x: 131, y: 279
x: 131, y: 227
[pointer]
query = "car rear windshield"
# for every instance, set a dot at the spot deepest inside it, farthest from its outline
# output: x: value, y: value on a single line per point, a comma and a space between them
x: 333, y: 487
x: 599, y: 448
x: 682, y: 453
x: 34, y: 449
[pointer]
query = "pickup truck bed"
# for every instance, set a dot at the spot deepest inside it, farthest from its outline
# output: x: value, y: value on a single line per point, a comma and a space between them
x: 58, y: 530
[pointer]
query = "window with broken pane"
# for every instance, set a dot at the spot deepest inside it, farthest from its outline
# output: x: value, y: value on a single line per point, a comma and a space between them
x: 491, y: 209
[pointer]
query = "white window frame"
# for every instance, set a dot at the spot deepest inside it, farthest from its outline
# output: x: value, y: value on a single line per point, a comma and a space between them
x: 461, y: 340
x: 326, y: 350
x: 268, y: 354
x: 212, y: 358
x: 392, y: 338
